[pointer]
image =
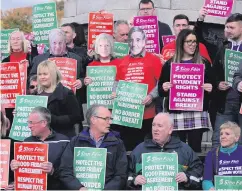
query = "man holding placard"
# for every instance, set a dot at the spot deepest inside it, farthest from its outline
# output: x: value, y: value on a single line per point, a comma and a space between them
x: 39, y: 124
x: 189, y: 165
x: 98, y: 135
x: 227, y: 99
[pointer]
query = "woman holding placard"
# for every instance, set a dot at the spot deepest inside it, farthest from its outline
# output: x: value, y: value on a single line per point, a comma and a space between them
x: 62, y: 102
x: 225, y: 160
x: 103, y: 53
x: 188, y: 122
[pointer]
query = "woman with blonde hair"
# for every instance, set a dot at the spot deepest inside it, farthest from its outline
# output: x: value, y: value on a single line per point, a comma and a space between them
x: 62, y: 102
x: 226, y: 159
x: 103, y: 53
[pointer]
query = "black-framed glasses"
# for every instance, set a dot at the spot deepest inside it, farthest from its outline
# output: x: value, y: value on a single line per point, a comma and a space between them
x: 32, y: 87
x: 191, y: 42
x: 146, y: 9
x: 107, y: 119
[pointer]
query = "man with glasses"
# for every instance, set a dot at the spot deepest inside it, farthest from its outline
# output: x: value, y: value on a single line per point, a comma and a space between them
x: 98, y: 135
x: 147, y: 8
x: 32, y: 85
x: 39, y: 124
x: 121, y: 31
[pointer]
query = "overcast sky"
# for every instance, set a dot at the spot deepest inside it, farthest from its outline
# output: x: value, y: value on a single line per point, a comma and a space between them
x: 10, y: 4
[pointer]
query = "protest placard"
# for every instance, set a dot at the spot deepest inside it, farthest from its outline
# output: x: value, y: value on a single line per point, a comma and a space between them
x: 168, y: 54
x: 149, y: 24
x: 23, y: 75
x: 29, y: 175
x: 44, y: 19
x: 4, y: 164
x: 68, y: 69
x: 24, y: 105
x: 186, y: 92
x: 10, y: 83
x: 166, y: 39
x: 228, y: 183
x: 232, y: 62
x: 128, y: 109
x: 219, y: 8
x: 90, y: 166
x: 100, y: 90
x: 121, y: 49
x: 160, y: 170
x: 5, y: 33
x: 99, y: 23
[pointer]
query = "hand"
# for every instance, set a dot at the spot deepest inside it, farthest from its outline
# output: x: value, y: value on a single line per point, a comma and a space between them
x: 114, y: 95
x: 223, y: 86
x: 181, y: 177
x: 202, y: 14
x: 10, y: 186
x: 23, y: 61
x: 139, y: 180
x: 207, y: 87
x: 83, y: 188
x: 166, y: 86
x: 87, y: 80
x: 47, y: 167
x: 103, y: 11
x: 239, y: 87
x: 148, y: 99
x: 131, y: 21
x: 14, y: 165
x: 77, y: 84
x: 211, y: 189
x: 90, y: 53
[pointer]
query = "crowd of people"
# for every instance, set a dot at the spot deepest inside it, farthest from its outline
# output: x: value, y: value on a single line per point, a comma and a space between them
x: 163, y: 129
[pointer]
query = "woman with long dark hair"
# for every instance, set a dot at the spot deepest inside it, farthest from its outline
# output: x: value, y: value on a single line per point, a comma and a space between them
x: 189, y: 124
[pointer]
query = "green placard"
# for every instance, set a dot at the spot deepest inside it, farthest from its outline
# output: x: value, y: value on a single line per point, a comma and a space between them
x: 160, y: 171
x: 223, y: 183
x: 44, y: 19
x: 121, y: 49
x: 4, y: 41
x: 90, y: 166
x: 128, y: 109
x: 232, y: 61
x: 24, y: 105
x: 100, y: 90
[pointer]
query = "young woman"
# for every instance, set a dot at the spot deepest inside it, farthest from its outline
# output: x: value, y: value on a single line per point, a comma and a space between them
x: 103, y: 54
x: 62, y: 103
x: 227, y: 156
x: 194, y: 122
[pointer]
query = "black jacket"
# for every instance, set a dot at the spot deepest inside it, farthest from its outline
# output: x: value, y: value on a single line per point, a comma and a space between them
x: 186, y: 157
x: 57, y: 144
x: 116, y: 162
x: 164, y: 29
x: 80, y: 74
x: 165, y: 77
x: 65, y: 111
x: 237, y: 80
x: 219, y: 71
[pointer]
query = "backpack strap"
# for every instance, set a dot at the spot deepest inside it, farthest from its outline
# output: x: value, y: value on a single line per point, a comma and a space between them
x: 215, y: 160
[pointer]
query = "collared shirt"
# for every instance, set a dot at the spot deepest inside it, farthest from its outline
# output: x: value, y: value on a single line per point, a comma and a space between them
x: 97, y: 143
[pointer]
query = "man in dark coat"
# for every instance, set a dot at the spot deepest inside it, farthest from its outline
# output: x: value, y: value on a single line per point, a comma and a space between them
x: 98, y: 135
x: 39, y: 123
x: 162, y: 141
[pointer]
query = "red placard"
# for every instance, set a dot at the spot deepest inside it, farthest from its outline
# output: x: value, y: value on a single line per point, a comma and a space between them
x: 4, y: 164
x: 23, y: 74
x: 68, y: 69
x: 10, y: 83
x: 29, y: 176
x: 168, y: 54
x: 99, y: 23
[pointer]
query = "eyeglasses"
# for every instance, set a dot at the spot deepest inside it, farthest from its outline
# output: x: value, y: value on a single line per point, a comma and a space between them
x: 32, y: 87
x: 34, y: 123
x: 146, y: 9
x: 190, y: 42
x: 107, y: 119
